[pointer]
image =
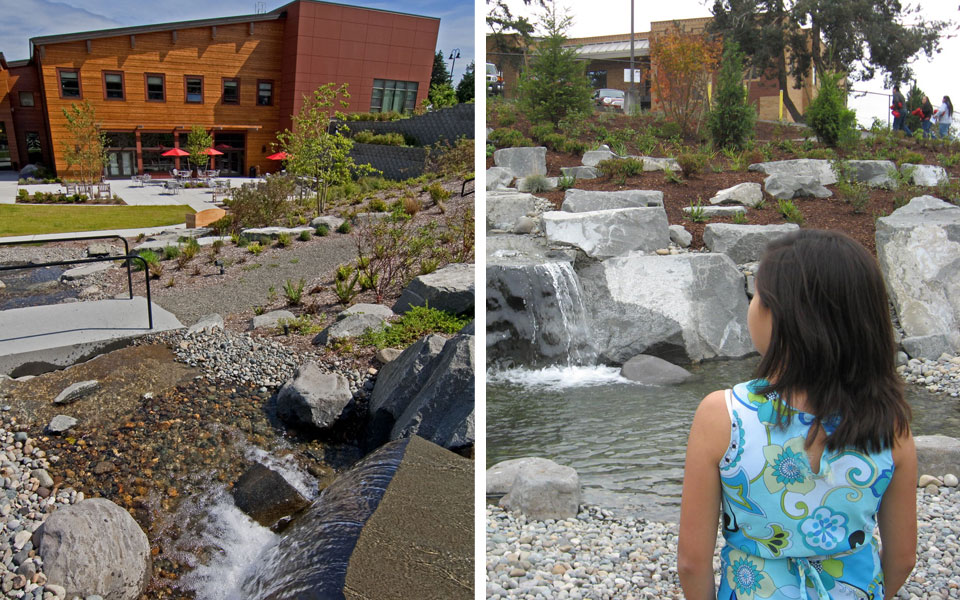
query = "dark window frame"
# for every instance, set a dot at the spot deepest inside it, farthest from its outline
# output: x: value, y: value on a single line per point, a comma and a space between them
x: 146, y: 87
x: 223, y: 88
x: 33, y: 99
x: 385, y: 85
x: 123, y: 86
x: 186, y: 94
x: 272, y: 88
x: 60, y: 71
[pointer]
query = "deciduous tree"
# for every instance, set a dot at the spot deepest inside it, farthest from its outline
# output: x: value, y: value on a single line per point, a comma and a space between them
x: 198, y: 140
x: 87, y: 143
x: 682, y: 65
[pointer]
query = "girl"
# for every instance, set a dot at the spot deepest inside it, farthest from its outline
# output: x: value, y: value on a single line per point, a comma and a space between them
x: 813, y: 454
x: 944, y: 116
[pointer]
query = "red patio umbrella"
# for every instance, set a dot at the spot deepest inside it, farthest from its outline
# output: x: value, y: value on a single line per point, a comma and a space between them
x: 175, y: 152
x: 278, y: 156
x: 211, y: 152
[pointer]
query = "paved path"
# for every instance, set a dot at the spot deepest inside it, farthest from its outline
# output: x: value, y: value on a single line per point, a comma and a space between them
x: 127, y: 233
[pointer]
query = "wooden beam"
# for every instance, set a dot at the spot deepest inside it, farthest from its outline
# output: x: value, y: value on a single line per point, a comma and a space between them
x: 173, y: 34
x: 43, y: 52
x: 89, y: 47
x: 133, y: 41
x: 213, y: 32
x: 251, y: 28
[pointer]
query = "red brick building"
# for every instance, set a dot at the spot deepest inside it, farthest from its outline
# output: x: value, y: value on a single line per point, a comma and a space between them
x: 239, y: 77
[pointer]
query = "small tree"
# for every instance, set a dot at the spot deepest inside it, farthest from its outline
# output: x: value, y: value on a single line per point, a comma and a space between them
x: 198, y: 140
x: 465, y: 89
x: 828, y: 114
x: 555, y: 84
x: 86, y: 148
x: 732, y: 117
x: 442, y: 95
x: 682, y: 64
x: 439, y: 75
x: 313, y: 151
x: 914, y: 100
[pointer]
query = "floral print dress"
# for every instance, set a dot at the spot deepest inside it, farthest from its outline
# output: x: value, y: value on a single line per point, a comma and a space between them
x: 790, y: 532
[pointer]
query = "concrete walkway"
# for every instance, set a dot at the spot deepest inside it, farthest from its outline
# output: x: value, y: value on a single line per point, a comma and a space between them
x: 38, y: 339
x: 127, y: 233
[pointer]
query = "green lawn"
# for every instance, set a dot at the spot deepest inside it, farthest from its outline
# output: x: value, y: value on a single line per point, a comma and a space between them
x: 18, y: 219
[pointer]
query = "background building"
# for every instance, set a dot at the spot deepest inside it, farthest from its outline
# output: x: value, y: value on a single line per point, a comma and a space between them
x: 239, y: 77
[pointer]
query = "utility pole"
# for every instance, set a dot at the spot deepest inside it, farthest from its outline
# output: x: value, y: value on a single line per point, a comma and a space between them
x: 631, y: 96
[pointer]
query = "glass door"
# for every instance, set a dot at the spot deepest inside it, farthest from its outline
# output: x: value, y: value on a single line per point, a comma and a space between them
x: 121, y: 163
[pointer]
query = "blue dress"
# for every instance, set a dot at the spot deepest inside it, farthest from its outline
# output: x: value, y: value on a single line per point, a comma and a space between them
x: 790, y: 532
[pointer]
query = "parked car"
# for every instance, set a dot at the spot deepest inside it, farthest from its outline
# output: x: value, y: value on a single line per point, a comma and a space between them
x: 494, y: 80
x: 609, y: 98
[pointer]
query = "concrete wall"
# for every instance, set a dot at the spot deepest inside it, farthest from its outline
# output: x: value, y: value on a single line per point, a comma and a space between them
x: 396, y: 162
x: 444, y: 125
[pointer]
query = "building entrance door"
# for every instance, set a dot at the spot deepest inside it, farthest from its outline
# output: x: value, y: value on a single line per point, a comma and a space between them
x: 121, y: 163
x: 230, y: 162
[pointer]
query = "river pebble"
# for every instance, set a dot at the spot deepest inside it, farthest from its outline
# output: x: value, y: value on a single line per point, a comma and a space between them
x: 938, y: 376
x: 599, y: 555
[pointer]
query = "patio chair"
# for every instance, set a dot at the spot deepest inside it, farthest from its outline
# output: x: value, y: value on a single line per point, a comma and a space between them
x: 71, y: 188
x: 103, y: 189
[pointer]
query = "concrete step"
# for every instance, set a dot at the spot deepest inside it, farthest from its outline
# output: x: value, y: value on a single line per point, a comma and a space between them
x: 38, y: 339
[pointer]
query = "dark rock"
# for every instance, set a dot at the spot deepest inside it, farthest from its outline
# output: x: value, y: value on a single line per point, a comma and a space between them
x: 314, y: 398
x: 653, y: 371
x: 450, y: 289
x: 266, y: 496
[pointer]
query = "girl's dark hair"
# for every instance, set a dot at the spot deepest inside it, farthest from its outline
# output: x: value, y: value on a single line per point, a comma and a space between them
x: 832, y: 338
x: 949, y: 105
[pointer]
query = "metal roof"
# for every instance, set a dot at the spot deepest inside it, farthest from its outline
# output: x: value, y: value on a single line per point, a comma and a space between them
x: 614, y: 49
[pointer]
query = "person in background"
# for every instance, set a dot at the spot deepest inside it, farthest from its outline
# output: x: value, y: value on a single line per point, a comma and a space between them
x: 943, y: 116
x: 924, y: 111
x: 899, y: 110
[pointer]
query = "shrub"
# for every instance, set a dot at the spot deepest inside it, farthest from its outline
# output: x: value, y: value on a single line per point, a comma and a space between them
x: 620, y: 168
x: 377, y: 205
x: 541, y: 131
x: 697, y: 212
x: 684, y: 62
x: 827, y: 115
x: 345, y: 227
x: 171, y: 252
x: 255, y: 248
x: 565, y: 182
x: 910, y: 157
x: 508, y: 138
x: 437, y: 192
x: 302, y: 325
x: 322, y: 230
x: 293, y: 291
x: 411, y: 205
x: 384, y: 139
x: 739, y: 218
x: 156, y: 269
x: 304, y: 236
x: 345, y: 283
x: 536, y: 183
x: 790, y: 211
x: 691, y: 163
x: 732, y: 118
x: 284, y: 239
x: 416, y: 323
x: 190, y: 249
x: 147, y: 255
x: 264, y: 204
x: 670, y: 176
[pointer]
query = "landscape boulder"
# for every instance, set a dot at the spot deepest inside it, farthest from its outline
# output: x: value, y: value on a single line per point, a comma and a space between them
x: 785, y: 187
x: 522, y: 162
x: 652, y: 163
x: 314, y: 397
x: 592, y: 158
x: 265, y: 496
x: 874, y: 173
x: 77, y: 390
x: 925, y: 175
x: 61, y: 423
x: 206, y: 324
x: 821, y: 170
x: 270, y: 319
x: 937, y: 455
x: 102, y: 250
x: 743, y: 243
x: 650, y: 370
x: 606, y: 233
x: 728, y: 210
x: 544, y: 490
x: 29, y: 171
x: 86, y: 270
x: 680, y: 236
x: 500, y: 477
x: 580, y: 172
x: 747, y: 194
x: 505, y: 207
x: 498, y: 178
x: 94, y: 547
x: 451, y: 289
x: 331, y: 221
x: 589, y: 200
x: 682, y: 308
x: 917, y: 248
x: 354, y: 322
x: 525, y: 225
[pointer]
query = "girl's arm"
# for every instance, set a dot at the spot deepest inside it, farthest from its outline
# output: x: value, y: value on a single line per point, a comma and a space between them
x: 700, y: 505
x: 897, y: 518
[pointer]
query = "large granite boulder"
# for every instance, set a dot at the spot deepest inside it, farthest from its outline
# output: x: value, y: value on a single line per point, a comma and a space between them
x: 398, y: 383
x: 498, y: 178
x: 680, y: 236
x: 653, y: 163
x: 785, y: 187
x: 266, y: 496
x: 592, y: 158
x: 650, y: 370
x: 580, y: 172
x: 399, y: 523
x: 728, y: 210
x: 589, y: 200
x: 925, y: 175
x: 451, y: 289
x: 270, y: 319
x: 500, y: 477
x: 353, y: 322
x: 331, y: 221
x: 747, y: 194
x: 605, y: 233
x: 504, y: 208
x: 937, y: 455
x: 522, y: 162
x: 544, y: 490
x: 681, y: 308
x: 743, y: 243
x: 315, y: 398
x: 918, y: 247
x: 875, y: 173
x: 206, y: 324
x: 822, y: 170
x: 94, y: 547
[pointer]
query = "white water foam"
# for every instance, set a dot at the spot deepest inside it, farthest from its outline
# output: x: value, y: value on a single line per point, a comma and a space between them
x: 236, y: 540
x: 559, y: 377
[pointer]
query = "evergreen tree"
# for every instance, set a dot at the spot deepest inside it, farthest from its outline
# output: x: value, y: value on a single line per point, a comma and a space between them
x: 555, y: 83
x: 442, y: 95
x: 914, y: 100
x: 828, y: 114
x: 465, y: 89
x: 440, y: 75
x: 732, y: 117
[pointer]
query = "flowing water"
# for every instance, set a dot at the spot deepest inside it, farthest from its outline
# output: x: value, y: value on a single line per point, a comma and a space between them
x: 626, y: 440
x: 34, y: 287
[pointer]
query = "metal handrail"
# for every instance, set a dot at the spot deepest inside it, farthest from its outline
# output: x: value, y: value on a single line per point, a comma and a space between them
x: 464, y: 186
x: 128, y: 258
x: 79, y: 238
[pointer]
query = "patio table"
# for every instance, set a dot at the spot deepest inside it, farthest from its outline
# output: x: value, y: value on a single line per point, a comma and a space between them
x: 172, y: 186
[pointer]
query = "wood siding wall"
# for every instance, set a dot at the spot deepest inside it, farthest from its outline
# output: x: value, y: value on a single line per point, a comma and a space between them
x: 227, y: 51
x: 29, y: 118
x: 6, y: 117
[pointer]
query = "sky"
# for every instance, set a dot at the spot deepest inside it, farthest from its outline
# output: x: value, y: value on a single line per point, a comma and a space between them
x: 24, y: 19
x: 936, y: 76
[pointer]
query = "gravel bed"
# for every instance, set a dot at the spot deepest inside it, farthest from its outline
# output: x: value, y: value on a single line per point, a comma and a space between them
x: 601, y: 556
x: 28, y: 496
x: 940, y: 376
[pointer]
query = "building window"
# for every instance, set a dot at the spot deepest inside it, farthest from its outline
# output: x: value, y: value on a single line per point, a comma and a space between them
x: 264, y: 92
x: 69, y: 84
x: 26, y: 99
x: 112, y: 86
x: 156, y: 91
x: 598, y: 79
x: 231, y: 91
x: 193, y: 84
x: 393, y: 96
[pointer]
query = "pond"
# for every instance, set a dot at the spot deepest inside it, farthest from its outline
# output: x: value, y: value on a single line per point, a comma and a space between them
x: 626, y: 440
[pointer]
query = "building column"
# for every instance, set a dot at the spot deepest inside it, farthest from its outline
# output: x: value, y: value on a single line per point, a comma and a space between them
x: 139, y: 153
